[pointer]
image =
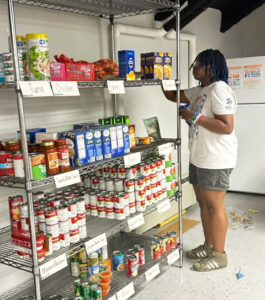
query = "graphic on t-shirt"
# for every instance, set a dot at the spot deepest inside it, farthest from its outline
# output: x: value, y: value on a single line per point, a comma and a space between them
x: 196, y: 106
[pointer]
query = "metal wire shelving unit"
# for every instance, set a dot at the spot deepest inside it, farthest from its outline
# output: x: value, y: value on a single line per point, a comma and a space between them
x: 111, y: 9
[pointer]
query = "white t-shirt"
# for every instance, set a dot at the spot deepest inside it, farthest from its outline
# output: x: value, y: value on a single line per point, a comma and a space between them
x: 211, y: 150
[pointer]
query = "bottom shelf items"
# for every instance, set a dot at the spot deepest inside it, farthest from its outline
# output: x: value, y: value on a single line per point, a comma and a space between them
x: 122, y: 286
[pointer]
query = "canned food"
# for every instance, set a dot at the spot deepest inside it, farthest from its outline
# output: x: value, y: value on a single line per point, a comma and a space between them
x: 82, y: 232
x: 51, y: 216
x: 109, y: 184
x: 134, y: 252
x: 101, y: 212
x: 56, y: 243
x: 54, y: 202
x: 132, y: 208
x: 131, y: 173
x: 23, y: 209
x: 141, y: 252
x: 131, y: 197
x: 38, y: 166
x: 42, y: 227
x: 64, y: 227
x: 139, y: 184
x: 140, y: 205
x: 119, y: 202
x: 140, y: 195
x: 155, y: 250
x: 53, y: 229
x: 166, y: 242
x: 63, y: 213
x: 131, y: 265
x: 118, y: 185
x: 129, y: 185
x: 95, y: 183
x: 106, y: 172
x: 24, y: 224
x: 6, y: 164
x: 86, y: 182
x: 153, y: 168
x: 80, y: 206
x: 118, y: 260
x: 99, y: 172
x: 85, y: 290
x: 72, y: 208
x: 144, y: 169
x: 122, y: 173
x: 173, y: 239
x: 81, y: 219
x: 74, y: 236
x: 114, y: 173
x: 102, y: 184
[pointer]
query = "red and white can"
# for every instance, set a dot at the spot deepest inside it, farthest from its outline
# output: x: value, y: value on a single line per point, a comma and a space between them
x: 109, y: 185
x: 93, y: 210
x: 131, y: 173
x: 65, y: 239
x: 140, y: 195
x: 6, y: 164
x: 80, y: 206
x: 72, y: 208
x: 81, y: 219
x: 141, y: 205
x: 63, y: 213
x: 53, y: 229
x: 129, y: 185
x: 74, y: 236
x: 56, y: 244
x: 153, y: 168
x: 51, y: 216
x: 122, y: 173
x: 64, y: 227
x: 95, y: 183
x: 139, y: 184
x: 132, y: 265
x: 144, y: 169
x: 153, y: 178
x: 120, y: 213
x: 132, y: 208
x: 99, y: 173
x: 102, y: 184
x: 82, y: 232
x: 106, y: 172
x: 101, y: 212
x: 119, y: 202
x: 114, y: 173
x: 118, y: 185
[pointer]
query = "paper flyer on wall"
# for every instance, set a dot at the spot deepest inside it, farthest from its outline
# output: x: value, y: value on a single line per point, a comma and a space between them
x: 235, y: 77
x: 252, y: 76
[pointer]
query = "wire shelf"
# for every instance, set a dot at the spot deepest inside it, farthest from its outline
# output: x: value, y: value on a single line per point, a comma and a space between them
x: 11, y: 181
x: 103, y: 8
x: 62, y: 284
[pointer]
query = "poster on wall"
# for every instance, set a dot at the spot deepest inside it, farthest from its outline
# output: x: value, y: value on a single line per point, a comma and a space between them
x: 252, y: 76
x: 234, y: 77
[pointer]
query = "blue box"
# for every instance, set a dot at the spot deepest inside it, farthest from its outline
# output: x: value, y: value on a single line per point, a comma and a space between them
x: 127, y: 64
x: 31, y: 133
x: 98, y: 144
x: 114, y: 143
x: 126, y: 139
x: 77, y: 147
x: 106, y: 141
x: 90, y: 147
x: 120, y: 140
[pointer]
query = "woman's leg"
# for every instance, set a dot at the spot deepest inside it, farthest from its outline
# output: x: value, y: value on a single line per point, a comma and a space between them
x: 205, y: 217
x: 215, y: 218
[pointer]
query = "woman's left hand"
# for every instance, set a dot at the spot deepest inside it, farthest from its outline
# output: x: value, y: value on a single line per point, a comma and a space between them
x: 186, y: 114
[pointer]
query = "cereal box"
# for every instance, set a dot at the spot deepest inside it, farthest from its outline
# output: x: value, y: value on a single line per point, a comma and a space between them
x: 167, y: 65
x: 143, y: 56
x: 127, y: 64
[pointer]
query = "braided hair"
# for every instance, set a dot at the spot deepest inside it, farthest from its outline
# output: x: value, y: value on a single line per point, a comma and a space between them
x: 214, y: 63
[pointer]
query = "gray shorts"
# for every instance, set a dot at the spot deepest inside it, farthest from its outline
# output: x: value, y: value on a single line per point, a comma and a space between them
x: 210, y: 179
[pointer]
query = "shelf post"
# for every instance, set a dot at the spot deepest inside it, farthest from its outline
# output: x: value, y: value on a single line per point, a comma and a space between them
x: 113, y: 50
x: 179, y: 194
x: 22, y: 125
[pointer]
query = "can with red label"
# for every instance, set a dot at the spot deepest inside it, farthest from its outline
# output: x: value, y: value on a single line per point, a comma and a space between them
x: 99, y: 172
x: 53, y: 229
x: 119, y: 201
x: 122, y: 172
x: 155, y: 250
x: 141, y: 253
x: 132, y: 208
x: 80, y: 206
x: 106, y: 172
x: 131, y: 265
x: 149, y: 199
x: 141, y: 205
x: 72, y: 208
x: 93, y: 198
x: 110, y: 213
x: 166, y: 242
x: 139, y: 184
x: 65, y: 239
x: 93, y: 210
x: 153, y: 168
x: 129, y: 185
x: 131, y: 197
x: 114, y: 173
x: 82, y: 232
x: 140, y: 195
x: 51, y: 216
x: 153, y: 178
x: 23, y: 210
x: 173, y: 239
x: 95, y: 183
x: 56, y: 244
x: 63, y: 213
x: 144, y: 169
x: 109, y: 184
x: 131, y: 173
x: 6, y: 164
x: 81, y: 219
x: 54, y: 202
x: 74, y: 236
x: 120, y: 213
x: 101, y: 200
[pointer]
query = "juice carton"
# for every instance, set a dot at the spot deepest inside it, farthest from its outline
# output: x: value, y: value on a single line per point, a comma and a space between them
x: 106, y: 141
x: 90, y: 147
x: 154, y: 63
x: 127, y: 64
x: 167, y: 66
x: 77, y: 147
x: 31, y: 134
x: 114, y: 142
x: 126, y: 138
x: 143, y: 57
x: 98, y: 144
x: 120, y: 142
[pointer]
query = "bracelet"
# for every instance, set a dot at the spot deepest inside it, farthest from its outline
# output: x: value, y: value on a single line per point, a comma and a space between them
x: 195, y: 117
x: 200, y: 119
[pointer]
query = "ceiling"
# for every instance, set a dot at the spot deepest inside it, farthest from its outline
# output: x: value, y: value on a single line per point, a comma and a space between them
x: 232, y: 11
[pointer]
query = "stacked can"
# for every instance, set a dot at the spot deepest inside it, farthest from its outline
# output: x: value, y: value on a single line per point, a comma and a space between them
x: 14, y: 211
x: 163, y: 244
x: 2, y: 73
x: 9, y: 67
x: 170, y: 172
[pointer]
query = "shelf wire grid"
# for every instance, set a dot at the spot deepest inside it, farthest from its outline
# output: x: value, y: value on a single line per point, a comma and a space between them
x: 62, y: 284
x: 103, y: 8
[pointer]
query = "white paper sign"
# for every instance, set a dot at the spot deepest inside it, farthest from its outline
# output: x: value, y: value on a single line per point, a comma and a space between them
x: 53, y: 266
x: 164, y: 206
x: 65, y: 88
x: 165, y: 149
x: 36, y: 88
x: 136, y: 222
x: 112, y: 298
x: 173, y: 257
x: 66, y: 179
x: 152, y: 272
x: 132, y: 159
x: 96, y: 243
x: 126, y: 292
x: 169, y: 85
x: 116, y: 86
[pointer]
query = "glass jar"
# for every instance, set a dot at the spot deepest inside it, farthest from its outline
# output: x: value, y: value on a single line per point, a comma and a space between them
x: 51, y: 157
x: 33, y: 148
x: 12, y: 146
x: 63, y: 155
x: 2, y: 148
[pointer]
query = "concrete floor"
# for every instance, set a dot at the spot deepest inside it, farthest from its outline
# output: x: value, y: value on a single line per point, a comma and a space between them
x: 245, y: 249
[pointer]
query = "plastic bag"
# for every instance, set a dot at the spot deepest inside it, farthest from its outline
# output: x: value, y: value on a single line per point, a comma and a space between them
x: 152, y: 128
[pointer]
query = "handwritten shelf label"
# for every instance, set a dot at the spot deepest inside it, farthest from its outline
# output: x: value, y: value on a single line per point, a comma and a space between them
x: 169, y: 85
x: 173, y: 257
x: 126, y: 292
x: 96, y: 243
x: 165, y: 149
x: 36, y: 88
x: 116, y: 86
x: 152, y: 272
x: 136, y: 222
x: 65, y: 88
x: 132, y: 159
x: 53, y: 266
x: 164, y: 206
x: 66, y: 179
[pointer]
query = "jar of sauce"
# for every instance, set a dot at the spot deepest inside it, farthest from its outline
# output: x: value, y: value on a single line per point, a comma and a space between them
x: 63, y: 155
x: 33, y: 148
x: 2, y: 148
x: 12, y: 146
x: 51, y: 157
